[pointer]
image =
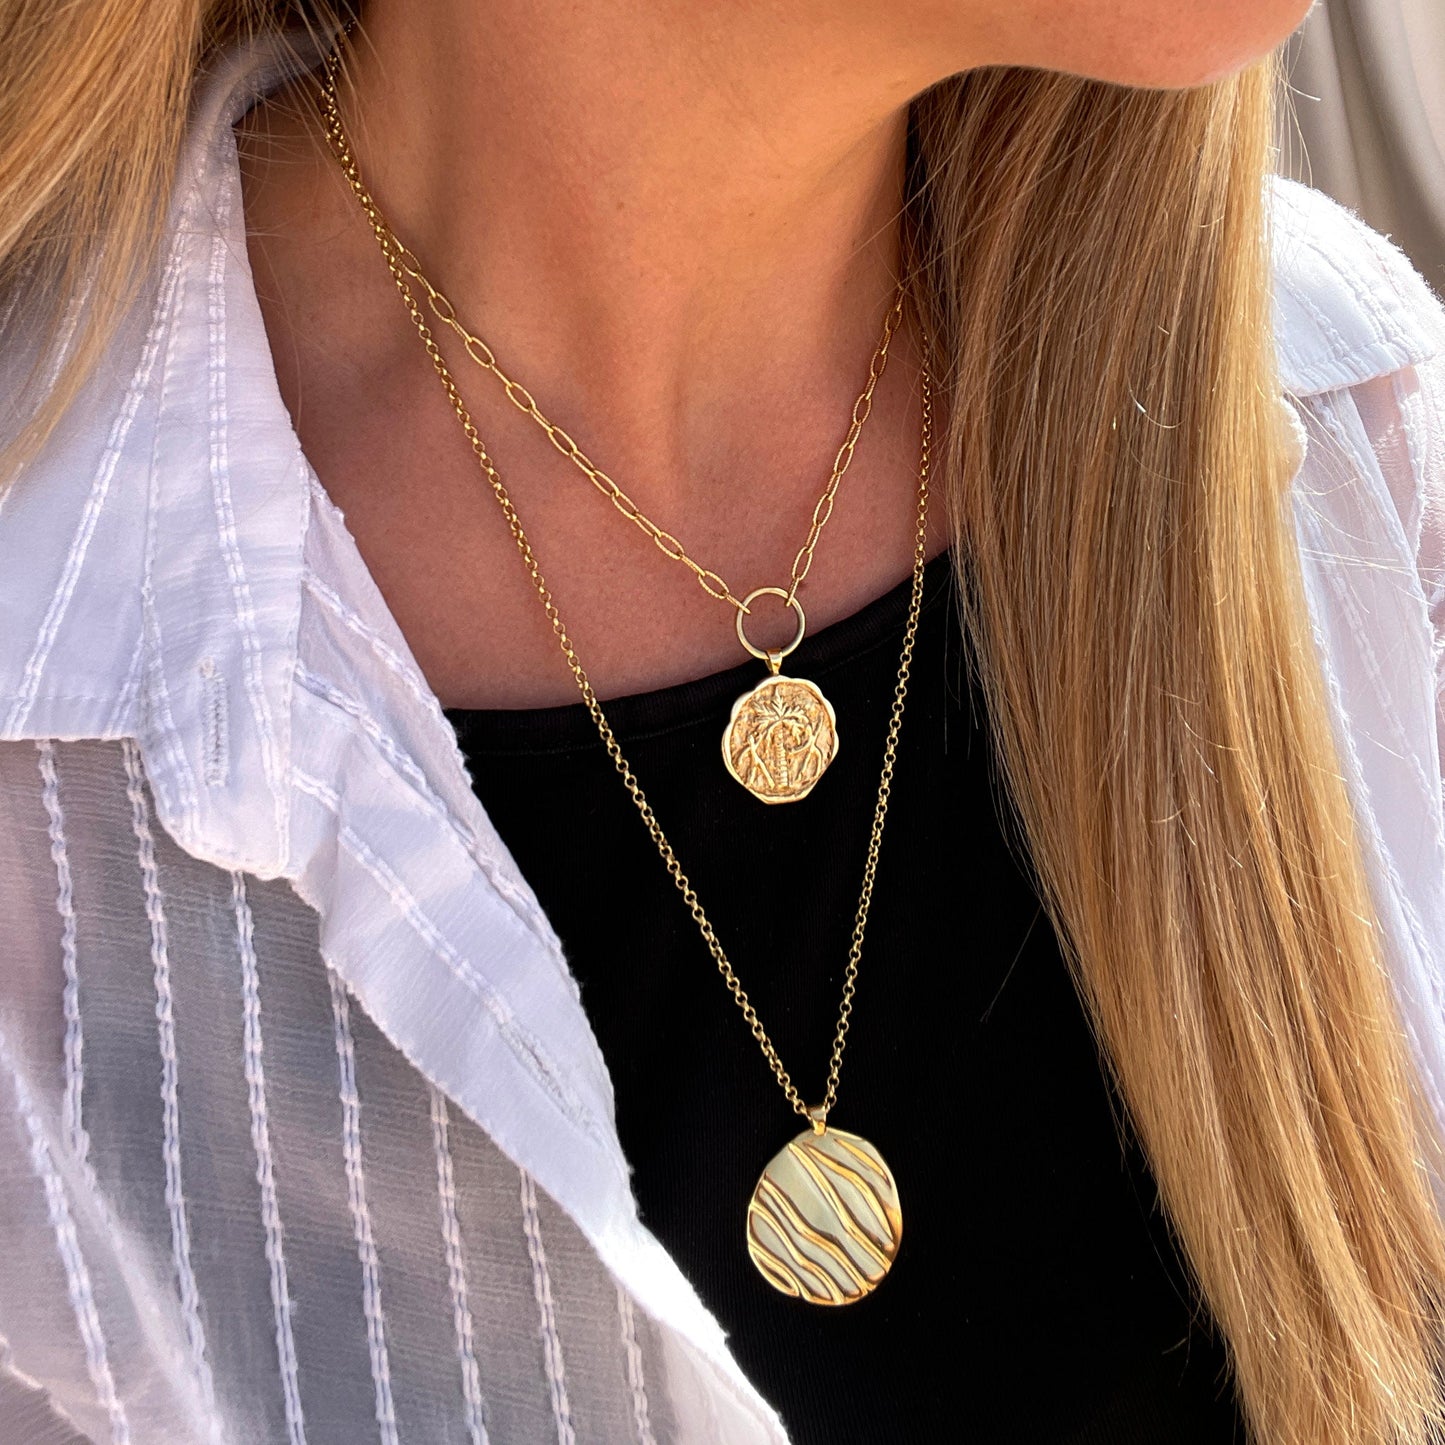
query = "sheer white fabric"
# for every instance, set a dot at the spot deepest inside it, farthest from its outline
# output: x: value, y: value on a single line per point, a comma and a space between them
x: 309, y: 1137
x: 239, y: 1213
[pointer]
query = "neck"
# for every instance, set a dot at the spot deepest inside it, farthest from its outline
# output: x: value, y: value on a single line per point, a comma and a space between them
x: 655, y: 218
x: 682, y: 238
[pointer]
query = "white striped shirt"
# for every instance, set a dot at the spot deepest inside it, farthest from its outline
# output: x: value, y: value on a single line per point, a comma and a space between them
x: 310, y: 1136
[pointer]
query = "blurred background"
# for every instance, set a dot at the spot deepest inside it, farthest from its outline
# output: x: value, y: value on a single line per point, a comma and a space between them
x: 1366, y: 117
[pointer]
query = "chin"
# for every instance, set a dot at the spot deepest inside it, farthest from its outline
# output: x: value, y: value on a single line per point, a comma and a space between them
x: 1155, y: 44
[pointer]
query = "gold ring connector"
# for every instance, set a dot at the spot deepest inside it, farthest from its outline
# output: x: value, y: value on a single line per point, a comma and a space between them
x: 773, y: 656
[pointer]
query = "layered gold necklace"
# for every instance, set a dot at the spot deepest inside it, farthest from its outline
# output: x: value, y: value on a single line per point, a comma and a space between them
x: 824, y: 1222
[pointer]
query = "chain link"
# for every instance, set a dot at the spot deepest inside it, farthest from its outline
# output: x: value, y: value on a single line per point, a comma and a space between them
x: 483, y: 355
x: 400, y: 263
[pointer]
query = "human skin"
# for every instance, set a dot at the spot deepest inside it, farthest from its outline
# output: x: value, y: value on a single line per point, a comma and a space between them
x: 677, y: 225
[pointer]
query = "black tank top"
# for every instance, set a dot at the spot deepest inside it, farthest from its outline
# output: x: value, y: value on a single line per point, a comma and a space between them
x: 1037, y: 1295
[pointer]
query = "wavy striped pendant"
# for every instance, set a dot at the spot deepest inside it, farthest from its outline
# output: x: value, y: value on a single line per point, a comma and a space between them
x: 824, y: 1222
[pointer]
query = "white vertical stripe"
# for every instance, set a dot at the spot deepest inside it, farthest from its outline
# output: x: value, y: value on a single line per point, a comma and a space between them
x: 542, y: 1288
x: 100, y: 483
x: 72, y: 1258
x: 265, y: 1167
x: 74, y: 1127
x: 170, y: 1091
x: 116, y: 723
x: 635, y: 1380
x: 241, y: 602
x: 360, y: 1213
x: 457, y: 1271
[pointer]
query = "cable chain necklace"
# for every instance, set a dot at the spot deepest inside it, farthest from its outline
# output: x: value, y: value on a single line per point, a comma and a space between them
x: 824, y: 1222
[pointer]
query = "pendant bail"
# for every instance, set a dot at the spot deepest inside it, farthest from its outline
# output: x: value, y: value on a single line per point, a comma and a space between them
x: 818, y: 1113
x: 775, y: 661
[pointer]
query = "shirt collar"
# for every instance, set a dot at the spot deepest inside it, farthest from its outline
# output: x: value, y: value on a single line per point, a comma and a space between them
x: 166, y: 519
x: 1348, y: 305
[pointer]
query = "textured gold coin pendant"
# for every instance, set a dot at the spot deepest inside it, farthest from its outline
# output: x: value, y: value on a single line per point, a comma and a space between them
x: 780, y: 738
x: 783, y: 733
x: 824, y: 1222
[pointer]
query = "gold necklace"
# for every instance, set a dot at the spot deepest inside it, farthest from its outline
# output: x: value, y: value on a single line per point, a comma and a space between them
x: 824, y: 1221
x: 782, y: 734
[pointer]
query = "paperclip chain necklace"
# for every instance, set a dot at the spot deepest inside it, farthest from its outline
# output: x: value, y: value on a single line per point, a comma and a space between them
x: 824, y: 1221
x: 666, y: 543
x: 783, y: 733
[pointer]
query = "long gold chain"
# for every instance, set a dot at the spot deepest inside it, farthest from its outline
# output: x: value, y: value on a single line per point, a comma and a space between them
x: 401, y: 273
x: 523, y: 400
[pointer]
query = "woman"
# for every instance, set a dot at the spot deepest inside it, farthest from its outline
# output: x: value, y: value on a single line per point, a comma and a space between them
x: 365, y: 1088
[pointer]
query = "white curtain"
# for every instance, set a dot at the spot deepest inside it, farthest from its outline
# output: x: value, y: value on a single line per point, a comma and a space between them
x: 1367, y: 89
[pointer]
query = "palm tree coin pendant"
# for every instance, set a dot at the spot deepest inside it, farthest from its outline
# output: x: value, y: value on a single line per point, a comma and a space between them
x: 824, y: 1223
x: 783, y: 733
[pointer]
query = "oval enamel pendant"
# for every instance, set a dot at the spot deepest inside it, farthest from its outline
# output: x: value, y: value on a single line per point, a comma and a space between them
x: 780, y: 738
x: 824, y: 1222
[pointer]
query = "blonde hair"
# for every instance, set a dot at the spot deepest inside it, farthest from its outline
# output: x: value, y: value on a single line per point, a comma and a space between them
x: 1094, y: 263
